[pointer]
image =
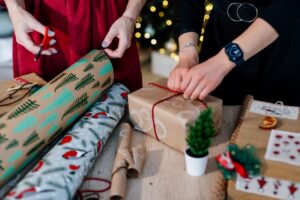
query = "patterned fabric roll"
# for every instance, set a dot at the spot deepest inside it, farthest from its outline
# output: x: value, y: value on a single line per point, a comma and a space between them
x: 59, y: 174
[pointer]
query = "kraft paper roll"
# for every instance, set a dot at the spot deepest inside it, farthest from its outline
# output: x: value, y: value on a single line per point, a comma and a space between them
x: 40, y: 118
x: 128, y: 163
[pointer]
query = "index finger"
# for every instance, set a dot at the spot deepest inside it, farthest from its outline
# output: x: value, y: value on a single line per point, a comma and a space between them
x: 118, y: 53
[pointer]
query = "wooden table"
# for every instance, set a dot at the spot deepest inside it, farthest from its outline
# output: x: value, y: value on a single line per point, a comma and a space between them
x: 164, y: 175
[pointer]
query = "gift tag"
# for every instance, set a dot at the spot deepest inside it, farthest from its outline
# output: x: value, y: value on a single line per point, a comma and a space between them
x: 276, y: 110
x: 261, y: 185
x: 284, y: 146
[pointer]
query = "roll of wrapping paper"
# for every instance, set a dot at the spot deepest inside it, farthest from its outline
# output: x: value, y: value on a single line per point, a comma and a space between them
x: 40, y: 118
x: 59, y: 174
x: 128, y: 162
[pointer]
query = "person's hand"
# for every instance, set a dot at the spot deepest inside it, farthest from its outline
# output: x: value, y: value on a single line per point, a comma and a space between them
x: 122, y: 29
x: 24, y: 23
x: 205, y: 77
x: 188, y: 58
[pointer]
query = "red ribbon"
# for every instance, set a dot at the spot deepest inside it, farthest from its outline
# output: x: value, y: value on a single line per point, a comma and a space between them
x: 80, y: 192
x: 162, y: 100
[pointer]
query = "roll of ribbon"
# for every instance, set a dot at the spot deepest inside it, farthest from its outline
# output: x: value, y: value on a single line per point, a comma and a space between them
x: 40, y: 118
x: 59, y: 174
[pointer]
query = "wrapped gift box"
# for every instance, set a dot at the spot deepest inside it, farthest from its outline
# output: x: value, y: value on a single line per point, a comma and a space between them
x: 172, y: 116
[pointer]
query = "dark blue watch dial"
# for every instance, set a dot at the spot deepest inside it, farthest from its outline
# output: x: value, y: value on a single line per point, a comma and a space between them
x: 234, y: 53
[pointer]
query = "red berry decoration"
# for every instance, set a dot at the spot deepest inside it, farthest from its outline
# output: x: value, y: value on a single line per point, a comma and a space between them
x: 11, y: 193
x: 74, y: 167
x: 39, y: 166
x: 291, y: 136
x: 70, y: 154
x: 88, y: 114
x: 26, y: 192
x: 96, y: 116
x: 124, y: 95
x: 278, y: 136
x: 277, y: 145
x: 66, y: 139
x: 292, y: 157
x: 276, y: 152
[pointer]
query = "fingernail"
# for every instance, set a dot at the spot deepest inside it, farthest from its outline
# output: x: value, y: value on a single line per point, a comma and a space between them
x: 51, y: 33
x: 104, y: 44
x: 54, y: 51
x: 52, y: 41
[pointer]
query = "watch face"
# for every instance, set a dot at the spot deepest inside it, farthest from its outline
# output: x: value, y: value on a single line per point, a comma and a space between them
x: 235, y: 52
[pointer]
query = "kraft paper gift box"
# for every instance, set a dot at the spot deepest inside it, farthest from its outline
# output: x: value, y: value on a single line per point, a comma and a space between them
x: 41, y: 117
x: 172, y: 116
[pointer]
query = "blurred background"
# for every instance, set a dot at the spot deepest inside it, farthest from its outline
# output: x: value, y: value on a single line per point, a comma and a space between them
x: 153, y: 32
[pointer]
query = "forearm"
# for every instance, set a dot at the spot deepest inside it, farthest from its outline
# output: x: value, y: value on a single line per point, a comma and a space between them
x: 258, y: 36
x: 12, y: 4
x: 134, y: 8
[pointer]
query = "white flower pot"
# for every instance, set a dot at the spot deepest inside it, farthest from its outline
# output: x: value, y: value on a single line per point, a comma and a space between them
x: 195, y: 166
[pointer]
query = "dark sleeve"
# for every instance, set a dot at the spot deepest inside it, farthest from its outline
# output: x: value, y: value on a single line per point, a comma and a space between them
x: 189, y: 16
x: 280, y: 14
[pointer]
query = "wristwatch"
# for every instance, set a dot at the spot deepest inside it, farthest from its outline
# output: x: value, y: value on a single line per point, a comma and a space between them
x: 235, y: 53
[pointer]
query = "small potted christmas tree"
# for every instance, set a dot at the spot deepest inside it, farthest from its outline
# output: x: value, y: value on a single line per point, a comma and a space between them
x: 199, y: 140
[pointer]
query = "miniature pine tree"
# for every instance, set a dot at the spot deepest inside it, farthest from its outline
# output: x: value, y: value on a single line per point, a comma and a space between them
x: 200, y: 134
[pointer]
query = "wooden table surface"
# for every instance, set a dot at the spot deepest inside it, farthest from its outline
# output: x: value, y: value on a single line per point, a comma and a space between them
x: 164, y: 175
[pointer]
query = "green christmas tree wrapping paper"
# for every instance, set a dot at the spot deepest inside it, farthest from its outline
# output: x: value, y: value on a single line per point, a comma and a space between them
x: 40, y: 118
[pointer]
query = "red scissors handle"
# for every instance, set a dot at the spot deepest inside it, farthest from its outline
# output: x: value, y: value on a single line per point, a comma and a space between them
x: 46, y: 39
x: 45, y: 43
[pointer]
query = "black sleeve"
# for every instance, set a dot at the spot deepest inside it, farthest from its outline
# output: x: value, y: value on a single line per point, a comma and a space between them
x: 189, y: 16
x: 280, y: 14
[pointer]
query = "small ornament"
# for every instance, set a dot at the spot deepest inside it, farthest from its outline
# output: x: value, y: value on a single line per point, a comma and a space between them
x: 268, y: 122
x: 240, y: 161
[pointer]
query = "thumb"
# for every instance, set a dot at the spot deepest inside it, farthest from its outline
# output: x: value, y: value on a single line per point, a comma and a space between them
x: 108, y: 38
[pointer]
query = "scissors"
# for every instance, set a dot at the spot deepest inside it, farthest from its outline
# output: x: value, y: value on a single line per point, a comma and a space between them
x: 45, y: 43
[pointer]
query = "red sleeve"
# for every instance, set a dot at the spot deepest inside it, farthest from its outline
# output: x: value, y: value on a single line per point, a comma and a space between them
x: 2, y: 3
